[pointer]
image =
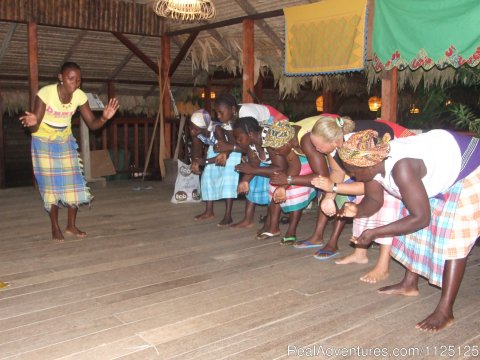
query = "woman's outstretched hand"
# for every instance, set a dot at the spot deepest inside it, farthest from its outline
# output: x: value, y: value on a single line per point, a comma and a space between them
x: 29, y: 119
x: 323, y: 183
x: 110, y: 109
x: 348, y: 209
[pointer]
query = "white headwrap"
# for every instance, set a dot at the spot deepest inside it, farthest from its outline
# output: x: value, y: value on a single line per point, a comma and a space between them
x: 202, y: 119
x: 257, y: 111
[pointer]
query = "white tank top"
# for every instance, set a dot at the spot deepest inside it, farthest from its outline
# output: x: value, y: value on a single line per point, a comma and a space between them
x: 440, y: 154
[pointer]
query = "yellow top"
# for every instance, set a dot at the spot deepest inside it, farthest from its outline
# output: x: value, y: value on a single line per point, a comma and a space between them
x: 58, y: 114
x: 306, y: 126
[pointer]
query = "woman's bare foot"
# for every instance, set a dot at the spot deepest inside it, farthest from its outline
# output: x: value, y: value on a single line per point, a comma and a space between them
x: 225, y: 222
x: 204, y: 216
x: 57, y: 236
x: 398, y: 289
x: 355, y: 258
x: 74, y: 231
x: 436, y: 321
x: 242, y: 224
x: 376, y: 274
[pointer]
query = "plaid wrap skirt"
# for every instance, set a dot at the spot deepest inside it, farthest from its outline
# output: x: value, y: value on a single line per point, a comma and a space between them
x: 258, y: 189
x: 59, y: 172
x: 453, y: 230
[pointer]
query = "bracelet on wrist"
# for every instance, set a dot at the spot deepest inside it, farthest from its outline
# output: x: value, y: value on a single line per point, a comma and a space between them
x: 289, y: 180
x: 334, y: 188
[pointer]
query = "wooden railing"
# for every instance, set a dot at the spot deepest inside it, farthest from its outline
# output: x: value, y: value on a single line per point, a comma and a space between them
x: 128, y: 140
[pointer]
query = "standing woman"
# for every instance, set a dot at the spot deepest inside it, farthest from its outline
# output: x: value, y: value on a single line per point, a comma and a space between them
x: 220, y: 181
x: 56, y: 163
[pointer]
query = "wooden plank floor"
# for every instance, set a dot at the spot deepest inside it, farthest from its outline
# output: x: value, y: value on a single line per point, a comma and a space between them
x: 151, y: 283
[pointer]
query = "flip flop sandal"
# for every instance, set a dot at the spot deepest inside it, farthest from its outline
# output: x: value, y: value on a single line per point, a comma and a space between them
x: 325, y: 254
x: 289, y: 240
x: 266, y: 235
x: 306, y: 245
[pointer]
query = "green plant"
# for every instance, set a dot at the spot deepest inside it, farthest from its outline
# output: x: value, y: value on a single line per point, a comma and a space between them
x: 465, y: 118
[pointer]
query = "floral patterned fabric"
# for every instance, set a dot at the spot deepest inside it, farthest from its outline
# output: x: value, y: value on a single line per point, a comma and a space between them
x: 423, y: 34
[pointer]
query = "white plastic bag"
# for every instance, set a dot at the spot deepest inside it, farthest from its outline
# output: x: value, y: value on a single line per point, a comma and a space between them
x: 187, y: 185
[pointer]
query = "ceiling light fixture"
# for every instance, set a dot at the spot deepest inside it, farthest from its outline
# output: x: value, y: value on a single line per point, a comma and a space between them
x: 185, y: 10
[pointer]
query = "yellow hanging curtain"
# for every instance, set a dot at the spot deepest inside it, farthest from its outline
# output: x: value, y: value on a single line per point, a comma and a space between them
x: 325, y: 37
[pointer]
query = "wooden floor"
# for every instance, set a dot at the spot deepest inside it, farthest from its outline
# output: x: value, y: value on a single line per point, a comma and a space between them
x: 150, y: 283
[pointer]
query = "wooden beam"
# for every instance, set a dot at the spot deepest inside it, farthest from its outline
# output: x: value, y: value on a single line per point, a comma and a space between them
x: 74, y: 46
x: 120, y: 66
x: 32, y: 30
x: 6, y: 41
x: 139, y: 53
x: 248, y: 60
x: 238, y: 20
x: 371, y: 13
x: 183, y: 51
x: 261, y: 23
x: 390, y: 95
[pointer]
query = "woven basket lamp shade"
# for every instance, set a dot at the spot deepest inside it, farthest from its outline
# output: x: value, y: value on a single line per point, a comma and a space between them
x: 374, y: 103
x: 185, y: 10
x: 319, y: 104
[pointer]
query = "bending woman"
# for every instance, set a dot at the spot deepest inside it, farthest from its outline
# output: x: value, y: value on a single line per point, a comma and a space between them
x: 437, y: 177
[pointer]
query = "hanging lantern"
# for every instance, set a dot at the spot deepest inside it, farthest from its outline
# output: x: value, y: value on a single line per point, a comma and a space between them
x: 374, y: 103
x: 414, y: 109
x: 212, y: 94
x: 185, y: 10
x: 319, y: 104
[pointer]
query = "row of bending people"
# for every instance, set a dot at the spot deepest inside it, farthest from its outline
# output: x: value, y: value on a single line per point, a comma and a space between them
x: 436, y: 176
x: 220, y: 180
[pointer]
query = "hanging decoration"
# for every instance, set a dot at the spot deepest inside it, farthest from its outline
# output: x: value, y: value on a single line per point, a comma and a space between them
x: 319, y: 103
x: 374, y: 103
x: 185, y: 10
x: 424, y: 34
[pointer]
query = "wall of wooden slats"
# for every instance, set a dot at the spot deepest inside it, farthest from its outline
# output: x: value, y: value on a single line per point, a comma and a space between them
x: 100, y: 15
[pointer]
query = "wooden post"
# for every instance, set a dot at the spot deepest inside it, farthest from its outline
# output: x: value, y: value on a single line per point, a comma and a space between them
x: 32, y: 61
x: 208, y: 100
x: 2, y: 147
x: 165, y: 66
x: 110, y: 95
x: 259, y: 89
x: 390, y: 95
x: 248, y: 60
x: 328, y: 102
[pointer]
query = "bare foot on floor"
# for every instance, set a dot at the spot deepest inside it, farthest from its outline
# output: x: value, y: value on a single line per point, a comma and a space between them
x: 74, y: 231
x: 225, y: 222
x: 375, y: 275
x: 204, y: 216
x: 353, y: 258
x: 435, y: 322
x: 57, y: 236
x: 242, y: 224
x: 398, y: 289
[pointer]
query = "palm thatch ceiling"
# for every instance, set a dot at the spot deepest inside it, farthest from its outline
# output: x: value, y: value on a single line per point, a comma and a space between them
x: 215, y: 53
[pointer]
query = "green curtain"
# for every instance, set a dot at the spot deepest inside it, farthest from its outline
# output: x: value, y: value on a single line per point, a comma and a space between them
x: 425, y: 33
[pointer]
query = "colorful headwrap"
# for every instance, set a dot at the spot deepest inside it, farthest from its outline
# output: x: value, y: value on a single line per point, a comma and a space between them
x: 279, y: 134
x: 364, y: 149
x: 202, y: 119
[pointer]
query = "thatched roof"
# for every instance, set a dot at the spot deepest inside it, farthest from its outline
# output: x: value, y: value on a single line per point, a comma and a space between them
x: 103, y: 57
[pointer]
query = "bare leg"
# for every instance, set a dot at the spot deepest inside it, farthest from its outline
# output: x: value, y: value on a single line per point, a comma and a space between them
x: 71, y: 227
x: 443, y: 314
x: 320, y: 226
x: 57, y: 235
x: 247, y: 221
x: 407, y: 287
x: 272, y: 221
x: 227, y: 218
x: 294, y: 218
x: 338, y: 225
x: 380, y: 271
x: 359, y: 256
x: 208, y: 213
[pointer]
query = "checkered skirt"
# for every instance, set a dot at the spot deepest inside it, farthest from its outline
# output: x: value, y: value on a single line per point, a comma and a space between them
x: 220, y: 182
x: 59, y: 172
x: 258, y: 189
x: 453, y: 230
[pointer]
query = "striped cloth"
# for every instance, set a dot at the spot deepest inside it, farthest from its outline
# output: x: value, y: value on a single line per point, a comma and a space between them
x: 453, y: 230
x: 258, y: 189
x: 220, y: 182
x: 389, y: 213
x: 298, y: 197
x: 58, y: 171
